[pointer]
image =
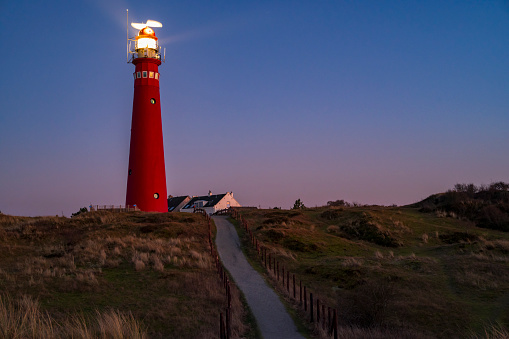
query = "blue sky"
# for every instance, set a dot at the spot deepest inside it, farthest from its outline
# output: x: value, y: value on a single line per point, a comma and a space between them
x: 377, y: 102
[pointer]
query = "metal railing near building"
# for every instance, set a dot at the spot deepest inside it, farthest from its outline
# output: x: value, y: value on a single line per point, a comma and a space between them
x: 114, y: 208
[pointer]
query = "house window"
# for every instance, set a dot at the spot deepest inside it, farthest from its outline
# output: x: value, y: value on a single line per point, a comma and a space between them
x: 138, y: 75
x: 150, y: 74
x: 144, y: 74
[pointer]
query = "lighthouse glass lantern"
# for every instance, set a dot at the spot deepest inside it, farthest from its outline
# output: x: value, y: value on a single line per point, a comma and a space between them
x: 146, y: 44
x: 146, y: 176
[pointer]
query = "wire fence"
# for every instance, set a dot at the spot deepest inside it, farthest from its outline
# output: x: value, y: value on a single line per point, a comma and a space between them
x: 316, y: 310
x: 225, y: 317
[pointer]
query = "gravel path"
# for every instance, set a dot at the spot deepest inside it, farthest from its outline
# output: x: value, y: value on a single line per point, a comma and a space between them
x: 270, y: 314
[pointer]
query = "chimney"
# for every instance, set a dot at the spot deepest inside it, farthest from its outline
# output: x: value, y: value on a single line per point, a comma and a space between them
x: 210, y: 193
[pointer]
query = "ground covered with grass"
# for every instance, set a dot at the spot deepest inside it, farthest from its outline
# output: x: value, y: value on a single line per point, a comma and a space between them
x: 395, y: 271
x: 148, y: 273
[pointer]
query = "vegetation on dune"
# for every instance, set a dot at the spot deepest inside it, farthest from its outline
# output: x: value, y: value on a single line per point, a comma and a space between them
x: 150, y: 272
x: 487, y: 206
x: 394, y: 272
x: 298, y: 205
x: 81, y: 210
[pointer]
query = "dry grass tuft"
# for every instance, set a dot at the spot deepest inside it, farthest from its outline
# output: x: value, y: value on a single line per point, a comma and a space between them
x: 24, y: 319
x: 352, y: 262
x: 158, y: 264
x: 139, y: 265
x: 114, y: 324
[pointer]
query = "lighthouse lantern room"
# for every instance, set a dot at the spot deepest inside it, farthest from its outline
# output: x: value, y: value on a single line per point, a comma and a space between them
x: 146, y: 178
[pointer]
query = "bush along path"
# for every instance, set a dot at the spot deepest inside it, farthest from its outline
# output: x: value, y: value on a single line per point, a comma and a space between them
x: 315, y: 310
x: 270, y: 314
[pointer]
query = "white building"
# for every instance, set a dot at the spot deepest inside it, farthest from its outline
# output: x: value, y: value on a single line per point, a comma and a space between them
x: 211, y: 203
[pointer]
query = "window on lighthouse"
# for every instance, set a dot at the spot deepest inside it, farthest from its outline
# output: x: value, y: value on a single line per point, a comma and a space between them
x: 144, y: 74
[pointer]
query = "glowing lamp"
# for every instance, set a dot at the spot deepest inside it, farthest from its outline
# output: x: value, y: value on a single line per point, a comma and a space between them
x: 146, y: 43
x: 146, y: 39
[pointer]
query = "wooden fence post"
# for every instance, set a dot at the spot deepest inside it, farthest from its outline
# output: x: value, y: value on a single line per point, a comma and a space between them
x: 323, y: 316
x: 305, y: 299
x: 228, y: 324
x: 221, y: 326
x: 329, y: 323
x: 311, y: 306
x: 265, y: 252
x: 335, y: 324
x: 288, y: 282
x: 318, y: 311
x: 300, y: 291
x: 293, y: 275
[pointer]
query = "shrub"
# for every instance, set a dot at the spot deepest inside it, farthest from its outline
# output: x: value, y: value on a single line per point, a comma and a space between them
x: 298, y: 205
x: 486, y: 206
x: 331, y: 214
x: 81, y: 211
x: 338, y: 203
x: 369, y: 231
x: 368, y: 305
x: 299, y: 245
x: 274, y: 235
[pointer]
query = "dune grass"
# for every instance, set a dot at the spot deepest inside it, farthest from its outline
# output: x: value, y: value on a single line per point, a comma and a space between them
x: 23, y: 318
x: 418, y: 274
x: 149, y: 272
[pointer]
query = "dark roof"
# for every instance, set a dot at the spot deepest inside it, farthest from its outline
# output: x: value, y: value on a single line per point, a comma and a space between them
x: 211, y: 200
x: 175, y: 201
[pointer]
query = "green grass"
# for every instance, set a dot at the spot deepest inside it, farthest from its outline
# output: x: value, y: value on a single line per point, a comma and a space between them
x: 444, y: 276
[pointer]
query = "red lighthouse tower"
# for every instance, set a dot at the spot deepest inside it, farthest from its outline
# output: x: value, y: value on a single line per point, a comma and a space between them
x: 146, y: 179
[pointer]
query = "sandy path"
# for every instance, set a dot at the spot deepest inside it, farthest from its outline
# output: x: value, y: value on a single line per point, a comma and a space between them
x: 270, y: 314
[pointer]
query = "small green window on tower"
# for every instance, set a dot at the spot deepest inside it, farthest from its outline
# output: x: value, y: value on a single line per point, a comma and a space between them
x: 152, y: 101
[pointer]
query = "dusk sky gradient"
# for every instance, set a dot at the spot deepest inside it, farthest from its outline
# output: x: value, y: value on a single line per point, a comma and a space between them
x: 377, y: 102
